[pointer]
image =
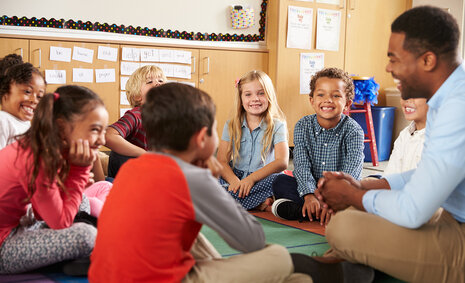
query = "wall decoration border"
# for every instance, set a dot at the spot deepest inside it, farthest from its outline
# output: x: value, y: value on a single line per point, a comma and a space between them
x: 121, y: 29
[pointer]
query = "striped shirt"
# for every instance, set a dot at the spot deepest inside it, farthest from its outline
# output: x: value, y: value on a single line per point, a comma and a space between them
x: 130, y: 127
x: 318, y: 149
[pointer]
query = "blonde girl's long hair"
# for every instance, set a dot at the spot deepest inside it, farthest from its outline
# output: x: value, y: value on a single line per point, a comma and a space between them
x: 273, y: 112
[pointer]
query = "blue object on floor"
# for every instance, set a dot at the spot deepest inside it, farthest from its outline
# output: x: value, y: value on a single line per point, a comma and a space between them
x: 383, y: 121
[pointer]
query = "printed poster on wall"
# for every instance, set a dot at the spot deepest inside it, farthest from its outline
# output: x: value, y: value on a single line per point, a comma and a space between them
x: 310, y: 63
x: 328, y: 29
x: 299, y: 27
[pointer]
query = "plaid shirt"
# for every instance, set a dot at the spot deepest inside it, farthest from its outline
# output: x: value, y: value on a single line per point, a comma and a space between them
x: 318, y: 149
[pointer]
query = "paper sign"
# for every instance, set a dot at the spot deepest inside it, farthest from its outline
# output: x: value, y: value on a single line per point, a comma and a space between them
x: 142, y: 64
x: 149, y: 55
x: 127, y: 68
x: 60, y: 54
x: 123, y: 81
x: 182, y: 57
x: 83, y: 54
x: 167, y: 69
x: 107, y: 53
x: 130, y: 54
x: 123, y: 99
x: 83, y: 75
x: 105, y: 75
x: 166, y: 55
x: 328, y: 29
x: 334, y: 2
x: 310, y: 63
x: 299, y: 27
x: 55, y: 76
x: 122, y: 111
x: 180, y: 71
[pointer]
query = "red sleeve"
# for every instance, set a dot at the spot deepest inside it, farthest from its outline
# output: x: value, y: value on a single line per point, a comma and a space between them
x: 126, y: 124
x: 54, y: 206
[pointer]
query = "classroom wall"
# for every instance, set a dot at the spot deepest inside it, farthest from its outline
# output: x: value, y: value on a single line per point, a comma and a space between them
x: 183, y: 15
x: 456, y: 8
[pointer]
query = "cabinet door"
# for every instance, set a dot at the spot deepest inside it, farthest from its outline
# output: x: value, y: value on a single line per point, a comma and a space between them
x: 109, y: 92
x: 285, y: 62
x: 368, y: 31
x: 14, y: 45
x: 218, y: 71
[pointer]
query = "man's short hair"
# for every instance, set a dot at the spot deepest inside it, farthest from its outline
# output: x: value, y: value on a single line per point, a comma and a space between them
x: 173, y: 113
x: 428, y: 28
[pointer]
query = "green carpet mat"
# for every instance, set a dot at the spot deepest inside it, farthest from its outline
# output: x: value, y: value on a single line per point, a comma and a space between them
x: 295, y: 240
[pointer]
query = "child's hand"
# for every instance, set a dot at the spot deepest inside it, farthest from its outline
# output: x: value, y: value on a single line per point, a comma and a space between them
x: 91, y: 180
x: 245, y: 187
x: 311, y: 206
x: 80, y: 153
x: 325, y: 215
x: 211, y: 163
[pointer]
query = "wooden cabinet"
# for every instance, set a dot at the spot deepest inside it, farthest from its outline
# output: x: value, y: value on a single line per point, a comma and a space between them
x: 213, y: 71
x: 14, y: 45
x: 368, y: 31
x: 364, y: 34
x: 109, y: 92
x: 218, y: 71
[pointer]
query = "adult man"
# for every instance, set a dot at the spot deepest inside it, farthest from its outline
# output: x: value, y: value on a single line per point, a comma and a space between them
x: 414, y: 229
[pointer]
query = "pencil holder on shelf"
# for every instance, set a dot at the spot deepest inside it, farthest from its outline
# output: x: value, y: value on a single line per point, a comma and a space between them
x: 241, y: 18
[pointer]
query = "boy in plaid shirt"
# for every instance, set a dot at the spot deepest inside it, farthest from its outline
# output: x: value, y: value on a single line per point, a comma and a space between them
x: 325, y: 141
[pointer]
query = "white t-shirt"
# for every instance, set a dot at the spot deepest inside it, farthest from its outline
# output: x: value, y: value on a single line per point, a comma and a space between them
x: 407, y: 150
x: 10, y: 126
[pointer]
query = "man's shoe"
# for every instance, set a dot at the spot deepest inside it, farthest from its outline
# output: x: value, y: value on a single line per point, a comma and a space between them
x: 287, y: 209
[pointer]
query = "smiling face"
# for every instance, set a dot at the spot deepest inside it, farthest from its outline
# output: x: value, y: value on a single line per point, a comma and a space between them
x: 254, y: 99
x: 415, y: 109
x: 329, y: 101
x: 22, y: 99
x: 405, y: 67
x: 90, y: 126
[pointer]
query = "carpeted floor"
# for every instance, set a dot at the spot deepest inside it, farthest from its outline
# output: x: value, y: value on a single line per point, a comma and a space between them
x: 307, y: 238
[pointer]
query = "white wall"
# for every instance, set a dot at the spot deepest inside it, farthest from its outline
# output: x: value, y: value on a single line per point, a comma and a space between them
x: 210, y: 16
x: 457, y: 9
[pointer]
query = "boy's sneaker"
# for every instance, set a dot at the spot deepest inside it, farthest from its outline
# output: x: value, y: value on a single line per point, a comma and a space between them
x: 77, y: 267
x: 287, y: 209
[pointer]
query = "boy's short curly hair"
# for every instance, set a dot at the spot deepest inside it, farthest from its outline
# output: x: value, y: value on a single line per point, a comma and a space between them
x: 334, y: 73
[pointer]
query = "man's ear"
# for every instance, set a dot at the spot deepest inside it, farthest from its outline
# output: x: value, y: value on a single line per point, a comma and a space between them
x: 200, y: 137
x: 428, y: 61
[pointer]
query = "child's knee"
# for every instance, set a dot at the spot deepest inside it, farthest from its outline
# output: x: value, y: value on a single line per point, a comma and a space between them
x: 85, y: 235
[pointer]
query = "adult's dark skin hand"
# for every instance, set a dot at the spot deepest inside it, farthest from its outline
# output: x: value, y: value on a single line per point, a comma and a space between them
x: 339, y: 191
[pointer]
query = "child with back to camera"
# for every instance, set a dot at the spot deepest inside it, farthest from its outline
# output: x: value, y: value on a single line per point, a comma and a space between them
x: 126, y: 137
x: 156, y: 231
x: 48, y: 167
x: 254, y: 147
x: 325, y: 141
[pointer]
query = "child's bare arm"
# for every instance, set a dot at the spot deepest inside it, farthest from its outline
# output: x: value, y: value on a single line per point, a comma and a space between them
x: 118, y: 144
x: 224, y: 158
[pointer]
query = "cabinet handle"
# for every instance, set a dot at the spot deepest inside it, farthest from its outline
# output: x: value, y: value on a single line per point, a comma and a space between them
x: 208, y: 65
x: 352, y: 4
x: 342, y: 4
x: 20, y: 50
x: 40, y: 57
x: 193, y: 59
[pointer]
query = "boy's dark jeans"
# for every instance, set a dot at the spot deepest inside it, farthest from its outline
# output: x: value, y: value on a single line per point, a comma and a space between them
x: 285, y: 186
x: 114, y: 163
